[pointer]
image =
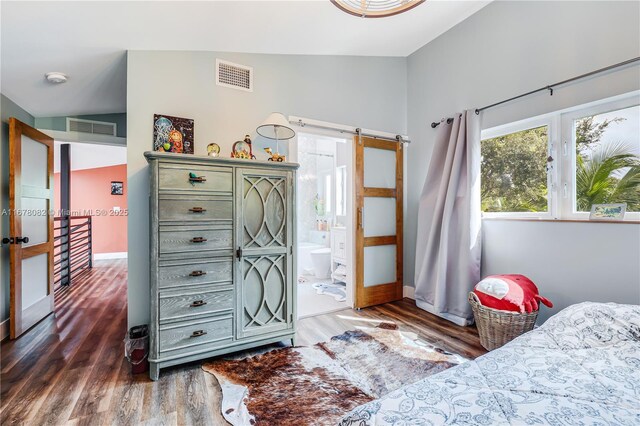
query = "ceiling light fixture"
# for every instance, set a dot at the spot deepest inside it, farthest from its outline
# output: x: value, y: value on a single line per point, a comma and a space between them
x: 375, y: 9
x: 56, y: 77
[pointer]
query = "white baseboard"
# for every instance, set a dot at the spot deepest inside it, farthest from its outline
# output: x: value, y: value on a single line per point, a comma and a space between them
x: 407, y: 291
x: 106, y: 256
x: 4, y: 329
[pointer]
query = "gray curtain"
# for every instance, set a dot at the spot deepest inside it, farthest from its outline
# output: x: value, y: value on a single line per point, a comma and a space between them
x: 449, y: 238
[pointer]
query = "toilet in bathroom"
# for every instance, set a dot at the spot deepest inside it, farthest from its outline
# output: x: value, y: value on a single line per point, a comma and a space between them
x: 321, y: 259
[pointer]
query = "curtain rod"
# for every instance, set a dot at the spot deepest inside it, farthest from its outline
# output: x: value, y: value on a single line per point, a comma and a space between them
x: 302, y: 122
x: 549, y: 87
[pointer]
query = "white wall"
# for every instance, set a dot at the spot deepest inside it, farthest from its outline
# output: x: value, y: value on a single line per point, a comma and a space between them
x: 90, y: 155
x: 506, y: 49
x: 368, y: 92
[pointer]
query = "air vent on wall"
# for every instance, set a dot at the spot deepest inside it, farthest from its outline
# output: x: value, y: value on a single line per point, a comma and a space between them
x: 234, y: 76
x: 90, y: 126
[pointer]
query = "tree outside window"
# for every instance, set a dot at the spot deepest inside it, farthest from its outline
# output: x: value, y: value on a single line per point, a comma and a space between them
x: 608, y: 159
x: 513, y: 172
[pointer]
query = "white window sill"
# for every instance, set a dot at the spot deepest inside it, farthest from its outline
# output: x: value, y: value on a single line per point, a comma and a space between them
x: 534, y: 219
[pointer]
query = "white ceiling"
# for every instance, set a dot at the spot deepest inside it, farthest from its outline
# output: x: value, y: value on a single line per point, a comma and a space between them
x: 87, y: 40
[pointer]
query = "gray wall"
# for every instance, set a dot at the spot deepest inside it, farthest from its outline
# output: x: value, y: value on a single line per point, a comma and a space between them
x: 571, y: 262
x: 363, y: 91
x: 506, y: 49
x: 60, y: 123
x: 7, y: 109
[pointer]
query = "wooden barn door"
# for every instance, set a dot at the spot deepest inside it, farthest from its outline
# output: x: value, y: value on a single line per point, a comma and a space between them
x: 379, y: 210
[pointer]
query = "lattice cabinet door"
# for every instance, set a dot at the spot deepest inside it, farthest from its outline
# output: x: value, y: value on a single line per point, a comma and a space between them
x: 264, y: 238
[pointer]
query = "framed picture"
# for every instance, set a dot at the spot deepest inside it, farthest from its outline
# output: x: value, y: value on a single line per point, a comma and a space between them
x: 116, y: 188
x: 172, y: 134
x: 608, y: 211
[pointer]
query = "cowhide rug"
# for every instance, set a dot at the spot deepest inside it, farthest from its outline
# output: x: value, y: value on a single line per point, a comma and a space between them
x: 318, y: 385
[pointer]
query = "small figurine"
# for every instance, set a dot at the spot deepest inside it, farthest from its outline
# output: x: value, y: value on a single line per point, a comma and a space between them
x: 213, y: 149
x: 243, y: 149
x: 275, y: 157
x: 247, y: 140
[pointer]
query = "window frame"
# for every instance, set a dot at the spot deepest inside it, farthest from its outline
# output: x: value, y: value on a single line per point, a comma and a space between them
x: 561, y: 146
x: 569, y: 155
x: 518, y: 126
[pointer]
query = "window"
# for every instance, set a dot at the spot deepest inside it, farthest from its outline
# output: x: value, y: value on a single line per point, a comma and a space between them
x: 607, y: 158
x: 341, y: 190
x: 327, y: 193
x: 560, y: 164
x: 514, y: 171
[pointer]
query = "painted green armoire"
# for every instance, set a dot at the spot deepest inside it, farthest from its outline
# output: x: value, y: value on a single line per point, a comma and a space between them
x: 222, y: 267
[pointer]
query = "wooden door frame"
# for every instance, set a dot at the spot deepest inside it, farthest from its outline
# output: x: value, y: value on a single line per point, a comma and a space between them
x: 16, y: 252
x: 381, y: 293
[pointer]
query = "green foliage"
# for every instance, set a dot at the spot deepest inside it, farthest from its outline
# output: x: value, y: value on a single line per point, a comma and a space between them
x: 514, y: 172
x: 589, y: 132
x: 610, y: 175
x: 604, y: 174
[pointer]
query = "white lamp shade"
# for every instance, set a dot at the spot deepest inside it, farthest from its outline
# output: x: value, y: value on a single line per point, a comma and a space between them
x: 276, y: 126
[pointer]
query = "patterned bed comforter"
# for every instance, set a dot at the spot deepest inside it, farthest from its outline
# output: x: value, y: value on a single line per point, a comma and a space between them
x: 581, y: 367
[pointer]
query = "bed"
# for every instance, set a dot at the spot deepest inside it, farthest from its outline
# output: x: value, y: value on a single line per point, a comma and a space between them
x: 581, y: 367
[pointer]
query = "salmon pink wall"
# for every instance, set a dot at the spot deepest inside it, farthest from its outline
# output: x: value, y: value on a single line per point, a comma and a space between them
x: 91, y: 191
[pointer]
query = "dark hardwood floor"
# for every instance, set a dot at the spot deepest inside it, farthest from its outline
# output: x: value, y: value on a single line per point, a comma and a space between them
x: 70, y: 369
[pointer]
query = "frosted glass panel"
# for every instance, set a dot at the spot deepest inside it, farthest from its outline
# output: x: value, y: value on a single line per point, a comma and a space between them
x: 35, y: 223
x: 34, y: 163
x: 35, y: 279
x: 379, y: 217
x: 379, y: 168
x: 379, y: 265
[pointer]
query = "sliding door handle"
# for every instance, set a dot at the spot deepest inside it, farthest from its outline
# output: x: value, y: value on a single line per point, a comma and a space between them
x: 239, y: 252
x: 360, y: 218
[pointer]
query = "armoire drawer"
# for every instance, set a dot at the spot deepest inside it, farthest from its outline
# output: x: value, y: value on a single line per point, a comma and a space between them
x: 191, y: 336
x: 184, y: 303
x: 194, y: 209
x: 206, y: 179
x: 175, y: 275
x: 185, y: 241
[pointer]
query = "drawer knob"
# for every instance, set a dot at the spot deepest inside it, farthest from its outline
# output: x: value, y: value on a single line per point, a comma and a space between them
x: 197, y: 210
x: 197, y: 303
x: 198, y: 333
x: 197, y: 274
x: 196, y: 179
x: 198, y: 240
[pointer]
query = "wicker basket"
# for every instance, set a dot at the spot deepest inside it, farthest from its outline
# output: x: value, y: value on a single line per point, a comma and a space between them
x: 499, y: 327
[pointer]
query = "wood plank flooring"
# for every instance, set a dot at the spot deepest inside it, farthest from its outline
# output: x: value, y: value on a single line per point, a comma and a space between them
x: 70, y: 369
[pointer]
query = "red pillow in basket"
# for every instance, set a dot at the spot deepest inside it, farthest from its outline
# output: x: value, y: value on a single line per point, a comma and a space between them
x: 510, y: 292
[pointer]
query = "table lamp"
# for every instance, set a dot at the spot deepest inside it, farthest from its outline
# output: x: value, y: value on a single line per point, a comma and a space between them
x: 276, y: 127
